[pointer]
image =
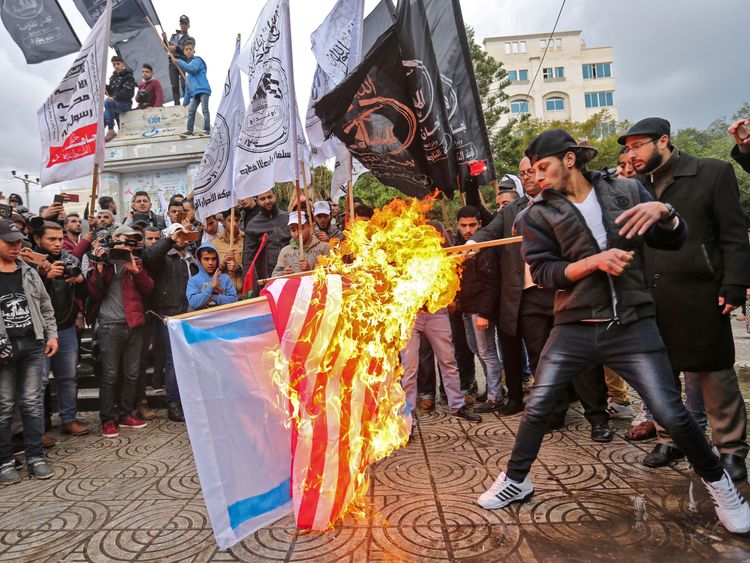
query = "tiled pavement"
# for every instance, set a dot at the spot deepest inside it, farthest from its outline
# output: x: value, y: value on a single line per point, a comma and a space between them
x: 137, y: 498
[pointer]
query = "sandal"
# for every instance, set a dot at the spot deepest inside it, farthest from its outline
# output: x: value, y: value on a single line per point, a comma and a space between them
x: 646, y: 430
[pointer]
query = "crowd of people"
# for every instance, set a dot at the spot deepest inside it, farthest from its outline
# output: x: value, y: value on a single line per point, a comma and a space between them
x: 626, y: 279
x: 187, y: 75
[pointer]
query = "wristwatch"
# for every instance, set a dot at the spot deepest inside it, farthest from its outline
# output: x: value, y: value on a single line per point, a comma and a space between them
x: 671, y: 214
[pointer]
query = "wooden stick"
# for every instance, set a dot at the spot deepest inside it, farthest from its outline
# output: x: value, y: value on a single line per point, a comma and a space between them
x: 350, y: 192
x: 474, y: 246
x: 161, y: 40
x: 299, y: 219
x: 94, y: 189
x: 496, y: 186
x: 231, y: 230
x: 444, y: 209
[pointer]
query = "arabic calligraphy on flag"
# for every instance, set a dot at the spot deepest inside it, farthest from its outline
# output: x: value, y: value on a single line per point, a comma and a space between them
x: 71, y: 119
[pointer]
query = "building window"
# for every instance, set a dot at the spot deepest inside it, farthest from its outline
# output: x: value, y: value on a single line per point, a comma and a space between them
x: 555, y: 104
x: 507, y: 47
x: 515, y: 75
x: 522, y: 46
x: 543, y: 44
x: 598, y: 70
x: 556, y: 72
x: 599, y: 99
x: 514, y: 46
x: 523, y: 75
x: 512, y: 75
x: 558, y: 43
x: 605, y: 129
x: 519, y: 106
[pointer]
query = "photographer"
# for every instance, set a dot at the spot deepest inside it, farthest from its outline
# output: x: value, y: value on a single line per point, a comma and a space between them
x: 27, y: 334
x: 171, y: 266
x: 142, y: 204
x: 117, y: 285
x: 62, y: 278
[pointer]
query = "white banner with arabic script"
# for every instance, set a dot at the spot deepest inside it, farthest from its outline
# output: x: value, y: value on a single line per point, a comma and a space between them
x: 336, y: 46
x: 71, y: 121
x: 214, y: 186
x: 264, y: 152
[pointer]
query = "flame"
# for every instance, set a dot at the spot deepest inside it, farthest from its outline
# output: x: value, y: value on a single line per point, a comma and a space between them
x: 392, y: 266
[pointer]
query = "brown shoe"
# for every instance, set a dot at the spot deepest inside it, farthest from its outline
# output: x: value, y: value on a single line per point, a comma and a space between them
x: 74, y: 428
x: 110, y: 135
x: 426, y: 405
x: 643, y: 431
x: 48, y: 441
x: 144, y: 412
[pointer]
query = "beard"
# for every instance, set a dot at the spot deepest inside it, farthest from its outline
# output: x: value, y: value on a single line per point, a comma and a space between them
x: 654, y: 161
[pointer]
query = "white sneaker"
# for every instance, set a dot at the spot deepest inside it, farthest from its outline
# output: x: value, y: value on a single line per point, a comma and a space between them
x: 504, y: 491
x: 616, y: 410
x: 731, y: 507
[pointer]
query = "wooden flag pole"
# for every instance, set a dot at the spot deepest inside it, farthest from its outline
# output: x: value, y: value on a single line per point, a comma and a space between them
x: 299, y: 220
x: 161, y: 40
x: 231, y: 231
x: 246, y: 302
x: 496, y: 186
x: 444, y: 209
x: 94, y: 190
x: 350, y: 193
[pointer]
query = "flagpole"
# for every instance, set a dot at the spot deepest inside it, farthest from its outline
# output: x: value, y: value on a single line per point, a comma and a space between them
x: 231, y: 230
x: 94, y: 189
x: 350, y: 191
x: 293, y: 126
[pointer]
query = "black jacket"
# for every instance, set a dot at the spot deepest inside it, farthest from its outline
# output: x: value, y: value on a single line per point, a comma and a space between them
x: 274, y: 224
x: 64, y: 295
x: 686, y: 284
x: 556, y: 234
x: 743, y: 159
x: 122, y: 86
x: 171, y: 274
x: 480, y: 284
x: 179, y: 42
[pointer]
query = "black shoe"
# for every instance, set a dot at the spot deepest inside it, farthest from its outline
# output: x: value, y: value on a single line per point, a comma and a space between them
x: 661, y: 455
x: 735, y: 466
x: 601, y: 433
x: 481, y: 398
x: 466, y: 414
x: 511, y: 407
x: 174, y: 412
x: 489, y: 406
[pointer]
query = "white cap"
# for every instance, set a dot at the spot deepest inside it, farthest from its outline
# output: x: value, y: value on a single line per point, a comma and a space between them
x: 321, y: 208
x: 293, y: 218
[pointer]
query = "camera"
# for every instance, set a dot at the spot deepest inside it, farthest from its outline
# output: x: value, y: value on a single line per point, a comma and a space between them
x: 71, y: 267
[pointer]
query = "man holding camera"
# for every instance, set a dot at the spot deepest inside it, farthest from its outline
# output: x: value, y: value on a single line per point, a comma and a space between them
x: 141, y: 204
x: 117, y: 285
x: 28, y: 333
x: 171, y: 266
x: 62, y: 278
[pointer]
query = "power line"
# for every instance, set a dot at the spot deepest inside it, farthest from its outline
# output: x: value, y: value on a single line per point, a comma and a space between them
x: 546, y: 47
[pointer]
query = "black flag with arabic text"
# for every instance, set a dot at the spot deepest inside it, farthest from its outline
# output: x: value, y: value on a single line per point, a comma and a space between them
x: 128, y: 16
x: 451, y: 46
x: 390, y: 112
x: 39, y: 28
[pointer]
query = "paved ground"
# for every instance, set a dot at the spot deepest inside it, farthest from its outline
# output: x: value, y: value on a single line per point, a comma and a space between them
x: 137, y: 497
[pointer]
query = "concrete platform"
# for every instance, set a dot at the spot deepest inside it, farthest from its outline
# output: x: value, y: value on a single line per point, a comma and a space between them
x: 137, y: 498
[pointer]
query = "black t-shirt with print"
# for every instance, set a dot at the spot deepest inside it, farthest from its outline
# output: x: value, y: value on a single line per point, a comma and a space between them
x: 13, y: 305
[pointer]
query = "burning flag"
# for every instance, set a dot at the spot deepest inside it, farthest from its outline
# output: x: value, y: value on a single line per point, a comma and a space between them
x: 340, y: 332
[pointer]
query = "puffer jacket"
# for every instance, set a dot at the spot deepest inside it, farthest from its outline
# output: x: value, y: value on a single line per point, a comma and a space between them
x: 122, y: 86
x: 556, y: 234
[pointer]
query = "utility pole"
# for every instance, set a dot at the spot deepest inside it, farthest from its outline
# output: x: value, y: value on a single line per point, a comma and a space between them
x: 26, y: 181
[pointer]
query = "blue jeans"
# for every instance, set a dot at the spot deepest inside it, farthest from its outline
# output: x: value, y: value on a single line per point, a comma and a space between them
x: 112, y: 110
x: 120, y: 350
x: 482, y: 343
x: 63, y: 365
x: 170, y: 376
x: 636, y: 352
x: 21, y: 382
x: 203, y: 100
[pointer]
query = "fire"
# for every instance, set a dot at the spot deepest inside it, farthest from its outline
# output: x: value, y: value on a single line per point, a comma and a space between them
x: 391, y: 267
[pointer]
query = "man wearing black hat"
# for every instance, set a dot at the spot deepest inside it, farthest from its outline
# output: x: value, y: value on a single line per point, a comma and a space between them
x: 175, y: 46
x: 583, y: 236
x: 120, y: 91
x: 697, y: 287
x: 28, y: 333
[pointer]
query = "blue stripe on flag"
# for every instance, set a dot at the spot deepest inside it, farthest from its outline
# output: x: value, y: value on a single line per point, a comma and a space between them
x: 252, y: 507
x: 251, y: 326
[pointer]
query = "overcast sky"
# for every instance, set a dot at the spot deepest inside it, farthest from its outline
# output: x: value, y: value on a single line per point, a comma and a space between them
x: 685, y: 60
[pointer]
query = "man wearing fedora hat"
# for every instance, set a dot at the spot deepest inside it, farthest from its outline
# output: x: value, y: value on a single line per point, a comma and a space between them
x: 583, y: 236
x: 697, y: 287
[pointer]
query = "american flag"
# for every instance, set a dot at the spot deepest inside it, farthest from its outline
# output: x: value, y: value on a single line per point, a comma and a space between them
x: 332, y: 409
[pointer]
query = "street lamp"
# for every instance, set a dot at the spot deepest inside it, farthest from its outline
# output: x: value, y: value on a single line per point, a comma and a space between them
x: 26, y: 181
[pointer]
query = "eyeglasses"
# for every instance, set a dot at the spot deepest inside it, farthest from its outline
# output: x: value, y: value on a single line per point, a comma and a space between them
x: 635, y: 147
x: 529, y: 172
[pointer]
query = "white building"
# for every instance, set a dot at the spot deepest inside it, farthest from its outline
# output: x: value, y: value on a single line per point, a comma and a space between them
x: 574, y: 81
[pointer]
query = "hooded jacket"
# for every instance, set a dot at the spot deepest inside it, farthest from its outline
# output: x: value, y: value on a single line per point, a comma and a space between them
x: 40, y: 305
x: 122, y: 86
x: 200, y: 293
x: 197, y: 82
